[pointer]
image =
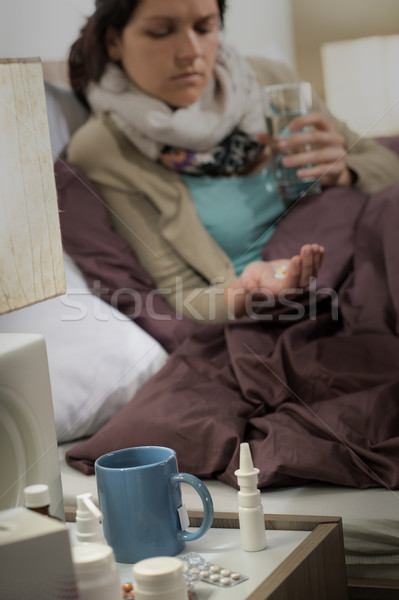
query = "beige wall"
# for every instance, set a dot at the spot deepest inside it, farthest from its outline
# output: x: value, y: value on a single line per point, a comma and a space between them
x: 319, y: 21
x: 261, y: 27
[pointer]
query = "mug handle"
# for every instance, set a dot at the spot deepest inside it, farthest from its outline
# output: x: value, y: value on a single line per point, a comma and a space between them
x: 207, y: 504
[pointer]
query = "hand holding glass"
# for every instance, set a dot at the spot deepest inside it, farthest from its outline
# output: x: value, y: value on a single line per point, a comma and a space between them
x: 283, y: 103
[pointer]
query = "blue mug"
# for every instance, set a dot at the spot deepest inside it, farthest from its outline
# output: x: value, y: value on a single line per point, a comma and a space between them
x: 140, y: 497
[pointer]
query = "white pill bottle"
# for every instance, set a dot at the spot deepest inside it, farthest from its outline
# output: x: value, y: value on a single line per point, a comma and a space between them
x: 159, y: 578
x: 96, y: 575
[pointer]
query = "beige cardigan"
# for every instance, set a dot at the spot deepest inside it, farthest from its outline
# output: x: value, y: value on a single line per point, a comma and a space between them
x: 152, y: 209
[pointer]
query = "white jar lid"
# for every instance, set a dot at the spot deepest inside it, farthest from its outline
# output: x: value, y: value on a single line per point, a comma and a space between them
x: 165, y: 569
x: 36, y: 496
x: 92, y: 557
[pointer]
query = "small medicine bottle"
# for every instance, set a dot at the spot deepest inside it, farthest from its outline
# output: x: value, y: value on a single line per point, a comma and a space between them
x: 96, y: 574
x: 159, y: 578
x: 37, y: 498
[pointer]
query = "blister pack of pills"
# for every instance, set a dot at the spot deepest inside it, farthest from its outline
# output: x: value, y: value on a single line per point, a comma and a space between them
x: 196, y: 568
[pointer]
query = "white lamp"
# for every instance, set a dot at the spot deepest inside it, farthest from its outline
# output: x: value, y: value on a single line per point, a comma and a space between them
x: 31, y: 270
x: 361, y: 79
x: 31, y: 263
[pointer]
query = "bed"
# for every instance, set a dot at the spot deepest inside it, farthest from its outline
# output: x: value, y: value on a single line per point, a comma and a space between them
x: 101, y: 359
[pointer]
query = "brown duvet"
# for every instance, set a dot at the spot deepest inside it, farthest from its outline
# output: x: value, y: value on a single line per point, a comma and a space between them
x: 316, y: 395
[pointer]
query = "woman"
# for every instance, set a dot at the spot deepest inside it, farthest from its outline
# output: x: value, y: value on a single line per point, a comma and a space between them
x: 177, y: 148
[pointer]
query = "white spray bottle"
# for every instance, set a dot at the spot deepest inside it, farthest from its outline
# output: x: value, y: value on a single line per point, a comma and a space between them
x: 251, y: 516
x: 88, y: 520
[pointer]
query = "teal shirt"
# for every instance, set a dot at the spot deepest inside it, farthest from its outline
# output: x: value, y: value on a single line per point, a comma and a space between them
x: 239, y: 212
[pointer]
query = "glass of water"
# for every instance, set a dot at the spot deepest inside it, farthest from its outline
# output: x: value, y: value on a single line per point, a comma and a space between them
x: 284, y: 102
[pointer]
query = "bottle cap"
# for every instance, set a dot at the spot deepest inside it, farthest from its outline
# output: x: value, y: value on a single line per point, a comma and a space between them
x: 36, y: 496
x: 86, y: 506
x: 160, y: 577
x: 247, y: 474
x: 92, y: 557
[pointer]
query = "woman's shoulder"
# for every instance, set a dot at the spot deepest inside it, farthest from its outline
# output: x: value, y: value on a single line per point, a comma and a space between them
x: 270, y: 71
x: 99, y: 146
x: 103, y: 152
x: 92, y: 140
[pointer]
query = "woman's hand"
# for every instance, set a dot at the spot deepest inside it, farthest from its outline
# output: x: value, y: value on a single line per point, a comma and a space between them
x: 300, y: 269
x: 322, y: 147
x: 259, y: 277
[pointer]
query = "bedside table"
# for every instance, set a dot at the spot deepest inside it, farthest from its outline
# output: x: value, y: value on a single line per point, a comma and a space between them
x: 304, y: 559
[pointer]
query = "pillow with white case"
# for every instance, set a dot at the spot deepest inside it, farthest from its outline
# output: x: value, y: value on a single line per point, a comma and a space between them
x: 65, y: 114
x: 98, y: 358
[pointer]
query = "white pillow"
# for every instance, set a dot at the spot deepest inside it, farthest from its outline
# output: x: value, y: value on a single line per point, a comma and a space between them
x: 97, y: 357
x: 65, y: 114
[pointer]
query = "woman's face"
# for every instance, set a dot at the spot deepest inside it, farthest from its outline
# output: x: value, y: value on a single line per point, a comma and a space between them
x: 168, y: 48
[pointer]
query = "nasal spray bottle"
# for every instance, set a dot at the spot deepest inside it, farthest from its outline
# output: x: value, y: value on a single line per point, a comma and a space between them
x: 88, y: 520
x: 251, y: 516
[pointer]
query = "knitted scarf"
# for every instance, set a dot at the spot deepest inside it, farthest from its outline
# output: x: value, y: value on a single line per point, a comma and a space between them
x: 223, y: 132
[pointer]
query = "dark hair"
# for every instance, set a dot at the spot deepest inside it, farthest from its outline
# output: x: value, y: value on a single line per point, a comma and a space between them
x: 88, y: 55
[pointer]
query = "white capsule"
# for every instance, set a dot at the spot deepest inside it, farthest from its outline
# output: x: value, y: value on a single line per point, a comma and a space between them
x: 204, y: 574
x: 280, y: 272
